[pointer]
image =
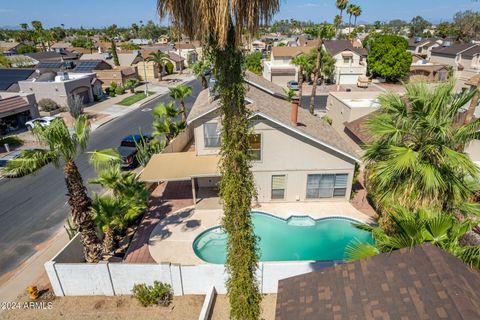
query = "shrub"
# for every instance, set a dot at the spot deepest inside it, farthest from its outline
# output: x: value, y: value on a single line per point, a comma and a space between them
x: 160, y: 293
x: 169, y: 67
x: 48, y: 105
x: 327, y: 120
x: 113, y: 85
x: 119, y: 90
x: 111, y: 93
x: 75, y: 106
x: 12, y: 141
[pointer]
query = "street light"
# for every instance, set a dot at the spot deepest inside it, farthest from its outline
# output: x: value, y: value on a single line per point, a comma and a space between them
x: 145, y: 76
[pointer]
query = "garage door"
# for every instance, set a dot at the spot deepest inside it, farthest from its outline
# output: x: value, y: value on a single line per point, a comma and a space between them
x: 282, y: 79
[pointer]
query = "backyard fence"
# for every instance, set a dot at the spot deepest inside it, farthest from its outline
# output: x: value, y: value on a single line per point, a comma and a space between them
x: 70, y: 276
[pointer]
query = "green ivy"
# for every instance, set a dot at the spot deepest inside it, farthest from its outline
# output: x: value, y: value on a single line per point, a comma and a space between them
x: 237, y: 187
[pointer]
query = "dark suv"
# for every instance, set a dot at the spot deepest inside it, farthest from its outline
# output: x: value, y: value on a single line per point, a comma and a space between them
x: 128, y: 149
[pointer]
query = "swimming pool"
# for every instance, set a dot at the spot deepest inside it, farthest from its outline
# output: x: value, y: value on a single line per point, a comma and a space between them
x: 294, y: 239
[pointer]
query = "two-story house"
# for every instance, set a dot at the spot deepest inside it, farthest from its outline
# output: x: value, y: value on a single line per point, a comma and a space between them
x: 350, y: 61
x: 279, y: 68
x: 297, y: 157
x: 423, y: 47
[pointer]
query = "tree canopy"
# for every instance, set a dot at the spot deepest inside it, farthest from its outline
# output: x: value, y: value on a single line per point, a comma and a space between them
x: 388, y: 57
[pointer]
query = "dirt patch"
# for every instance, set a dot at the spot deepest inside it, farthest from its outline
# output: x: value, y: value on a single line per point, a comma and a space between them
x: 221, y: 307
x: 103, y: 308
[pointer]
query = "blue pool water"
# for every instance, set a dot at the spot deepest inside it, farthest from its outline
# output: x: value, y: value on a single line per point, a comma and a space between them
x: 297, y: 238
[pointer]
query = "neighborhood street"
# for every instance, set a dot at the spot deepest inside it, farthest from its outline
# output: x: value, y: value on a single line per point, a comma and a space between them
x: 34, y: 207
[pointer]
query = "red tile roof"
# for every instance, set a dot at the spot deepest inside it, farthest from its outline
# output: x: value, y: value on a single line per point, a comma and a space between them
x: 12, y: 103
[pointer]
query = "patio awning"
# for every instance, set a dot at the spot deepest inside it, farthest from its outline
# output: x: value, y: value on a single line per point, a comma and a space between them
x: 179, y: 166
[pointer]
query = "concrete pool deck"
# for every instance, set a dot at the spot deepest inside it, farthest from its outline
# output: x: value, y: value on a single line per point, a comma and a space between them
x: 171, y: 240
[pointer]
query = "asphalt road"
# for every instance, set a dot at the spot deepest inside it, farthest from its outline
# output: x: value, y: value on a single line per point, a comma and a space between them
x: 34, y: 207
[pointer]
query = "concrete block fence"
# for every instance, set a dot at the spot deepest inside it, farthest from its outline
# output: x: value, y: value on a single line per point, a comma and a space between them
x: 70, y: 276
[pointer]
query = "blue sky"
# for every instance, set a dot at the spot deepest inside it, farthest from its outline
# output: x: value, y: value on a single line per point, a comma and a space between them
x: 124, y: 12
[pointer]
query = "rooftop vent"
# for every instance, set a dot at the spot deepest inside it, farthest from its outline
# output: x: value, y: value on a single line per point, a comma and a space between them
x: 447, y: 43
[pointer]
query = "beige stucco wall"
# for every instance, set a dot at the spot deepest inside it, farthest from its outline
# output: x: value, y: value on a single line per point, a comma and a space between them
x: 285, y: 153
x: 150, y: 69
x: 57, y: 91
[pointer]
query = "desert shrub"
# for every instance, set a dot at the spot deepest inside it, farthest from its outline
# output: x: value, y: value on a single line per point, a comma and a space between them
x: 169, y: 67
x: 119, y: 90
x: 160, y: 293
x: 111, y: 93
x: 327, y: 120
x: 75, y: 106
x: 48, y: 105
x: 113, y: 85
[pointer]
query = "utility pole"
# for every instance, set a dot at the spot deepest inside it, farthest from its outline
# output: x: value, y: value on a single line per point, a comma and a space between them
x: 145, y: 76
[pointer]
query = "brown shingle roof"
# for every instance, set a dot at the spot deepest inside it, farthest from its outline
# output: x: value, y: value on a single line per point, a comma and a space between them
x: 336, y: 46
x: 452, y: 50
x: 423, y: 282
x: 289, y: 51
x: 473, y: 81
x: 184, y: 46
x: 471, y: 52
x: 275, y: 107
x: 12, y: 103
x: 175, y: 57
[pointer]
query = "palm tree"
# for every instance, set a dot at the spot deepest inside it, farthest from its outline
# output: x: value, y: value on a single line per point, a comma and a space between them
x: 350, y: 11
x: 303, y: 64
x: 109, y: 35
x: 416, y: 158
x: 473, y: 104
x: 165, y: 124
x: 326, y: 31
x: 159, y: 59
x: 415, y: 228
x: 221, y: 26
x: 337, y: 21
x: 341, y: 5
x: 108, y: 214
x: 357, y: 12
x: 179, y: 93
x: 64, y: 147
x: 199, y: 69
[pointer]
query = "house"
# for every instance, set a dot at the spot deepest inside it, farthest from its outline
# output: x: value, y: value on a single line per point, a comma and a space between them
x: 423, y: 282
x: 119, y: 75
x: 464, y: 58
x: 140, y: 42
x: 351, y: 61
x: 9, y: 48
x: 9, y: 78
x: 61, y: 47
x: 124, y: 59
x: 296, y: 156
x: 279, y: 68
x: 187, y: 51
x: 164, y: 39
x: 60, y: 86
x: 53, y: 56
x: 15, y: 110
x: 423, y: 47
x: 148, y: 70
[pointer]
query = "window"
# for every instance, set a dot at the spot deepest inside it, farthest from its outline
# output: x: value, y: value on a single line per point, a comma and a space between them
x: 256, y: 146
x: 211, y: 135
x: 346, y: 60
x: 278, y: 187
x: 326, y: 185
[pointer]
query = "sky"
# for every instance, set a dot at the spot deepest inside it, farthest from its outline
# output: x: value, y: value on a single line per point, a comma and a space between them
x: 99, y: 13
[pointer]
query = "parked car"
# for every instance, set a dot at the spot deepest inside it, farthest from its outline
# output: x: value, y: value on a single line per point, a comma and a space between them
x: 44, y: 121
x: 128, y: 149
x: 293, y: 85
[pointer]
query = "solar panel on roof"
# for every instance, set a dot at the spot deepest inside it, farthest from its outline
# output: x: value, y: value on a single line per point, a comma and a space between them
x: 87, y: 66
x: 13, y: 75
x: 49, y: 65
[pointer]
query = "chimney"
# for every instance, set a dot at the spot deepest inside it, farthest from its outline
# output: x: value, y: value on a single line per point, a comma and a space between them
x: 294, y: 111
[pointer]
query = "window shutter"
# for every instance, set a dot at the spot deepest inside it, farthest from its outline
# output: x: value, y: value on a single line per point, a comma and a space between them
x: 278, y: 182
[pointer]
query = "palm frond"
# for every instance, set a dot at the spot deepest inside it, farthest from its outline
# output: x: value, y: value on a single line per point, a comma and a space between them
x: 104, y: 159
x: 30, y: 161
x: 357, y: 250
x: 82, y: 131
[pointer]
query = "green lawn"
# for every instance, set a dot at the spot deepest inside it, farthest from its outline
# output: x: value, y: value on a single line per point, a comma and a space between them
x: 135, y: 98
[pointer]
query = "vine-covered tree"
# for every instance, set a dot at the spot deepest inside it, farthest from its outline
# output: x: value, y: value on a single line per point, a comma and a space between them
x: 253, y: 62
x: 220, y: 24
x: 388, y: 57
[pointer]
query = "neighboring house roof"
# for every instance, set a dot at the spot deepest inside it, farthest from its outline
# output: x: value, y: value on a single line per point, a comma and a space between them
x: 415, y: 42
x: 357, y: 130
x: 11, y: 76
x: 334, y: 47
x: 87, y: 66
x: 12, y: 103
x: 470, y: 53
x: 184, y: 46
x: 140, y: 41
x: 125, y: 59
x: 428, y: 67
x: 289, y: 51
x: 52, y: 55
x: 61, y: 45
x: 175, y: 57
x: 423, y: 282
x: 265, y: 103
x: 7, y: 46
x: 473, y: 81
x: 128, y: 71
x: 452, y: 50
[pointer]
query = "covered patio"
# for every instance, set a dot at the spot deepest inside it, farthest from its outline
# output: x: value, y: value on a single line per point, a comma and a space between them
x: 202, y: 171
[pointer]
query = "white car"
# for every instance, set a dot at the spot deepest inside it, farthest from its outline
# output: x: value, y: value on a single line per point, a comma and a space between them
x: 44, y: 121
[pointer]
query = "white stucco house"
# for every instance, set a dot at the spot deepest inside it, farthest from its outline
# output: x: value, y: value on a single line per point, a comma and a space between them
x: 297, y: 156
x: 279, y: 68
x: 351, y: 61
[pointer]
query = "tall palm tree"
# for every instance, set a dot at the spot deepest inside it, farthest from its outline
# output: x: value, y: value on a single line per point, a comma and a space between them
x: 304, y: 65
x: 350, y: 11
x: 109, y: 35
x: 159, y: 59
x: 108, y: 214
x: 165, y: 123
x: 325, y: 31
x: 64, y: 147
x: 199, y: 69
x: 415, y: 228
x: 220, y: 24
x: 357, y: 12
x: 416, y: 158
x: 341, y: 5
x: 179, y: 93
